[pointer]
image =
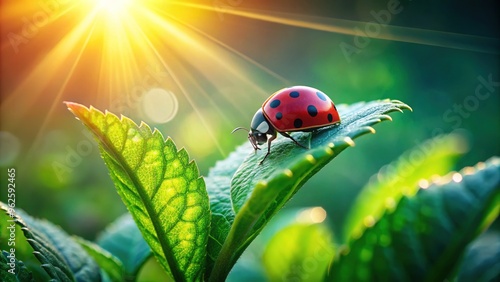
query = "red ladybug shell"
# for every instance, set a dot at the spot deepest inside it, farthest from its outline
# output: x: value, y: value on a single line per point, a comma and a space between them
x: 300, y: 108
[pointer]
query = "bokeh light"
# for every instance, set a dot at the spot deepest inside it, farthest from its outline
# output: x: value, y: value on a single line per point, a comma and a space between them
x: 312, y: 215
x: 10, y: 148
x: 159, y: 105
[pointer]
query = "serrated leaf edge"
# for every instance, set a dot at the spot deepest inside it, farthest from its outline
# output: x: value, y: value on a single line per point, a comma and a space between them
x: 308, y: 163
x: 173, y: 266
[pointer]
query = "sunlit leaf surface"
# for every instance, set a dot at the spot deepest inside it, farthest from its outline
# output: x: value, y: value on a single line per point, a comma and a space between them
x: 433, y: 157
x: 106, y: 261
x: 219, y: 188
x: 299, y: 252
x: 61, y: 257
x: 258, y: 191
x: 21, y: 272
x: 159, y: 185
x: 424, y: 236
x: 124, y: 240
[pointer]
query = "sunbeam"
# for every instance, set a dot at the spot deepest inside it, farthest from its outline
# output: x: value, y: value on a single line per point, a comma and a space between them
x: 55, y: 62
x: 389, y: 32
x: 59, y: 95
x: 236, y: 52
x: 180, y: 85
x: 103, y: 50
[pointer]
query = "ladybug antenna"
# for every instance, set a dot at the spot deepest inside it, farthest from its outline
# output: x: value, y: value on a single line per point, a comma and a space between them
x: 251, y: 138
x: 238, y: 128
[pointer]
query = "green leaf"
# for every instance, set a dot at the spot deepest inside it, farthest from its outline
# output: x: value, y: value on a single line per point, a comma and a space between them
x: 23, y: 249
x: 61, y: 257
x: 110, y: 264
x: 14, y: 239
x: 159, y: 185
x: 13, y: 270
x: 423, y: 238
x: 299, y: 252
x: 218, y: 183
x: 433, y: 157
x: 249, y: 266
x: 259, y: 191
x: 481, y: 262
x: 124, y: 240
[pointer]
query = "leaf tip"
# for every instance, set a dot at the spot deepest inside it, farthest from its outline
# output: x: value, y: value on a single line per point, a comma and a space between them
x: 31, y: 240
x: 401, y: 105
x: 385, y: 117
x: 349, y: 141
x: 77, y: 109
x: 72, y: 106
x: 371, y: 129
x: 406, y: 107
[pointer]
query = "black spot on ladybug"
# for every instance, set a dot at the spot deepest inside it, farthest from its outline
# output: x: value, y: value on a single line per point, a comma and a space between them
x: 294, y: 94
x: 321, y: 96
x: 329, y: 117
x: 334, y: 106
x: 312, y: 111
x: 297, y: 123
x: 279, y: 115
x: 274, y: 104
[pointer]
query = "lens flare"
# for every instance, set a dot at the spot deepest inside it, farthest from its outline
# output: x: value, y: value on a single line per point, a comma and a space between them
x: 160, y: 105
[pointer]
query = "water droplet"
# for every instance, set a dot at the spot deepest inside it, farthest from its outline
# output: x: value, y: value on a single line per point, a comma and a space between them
x: 288, y: 173
x: 310, y: 158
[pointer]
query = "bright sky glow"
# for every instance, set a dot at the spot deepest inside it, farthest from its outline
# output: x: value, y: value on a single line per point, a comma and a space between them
x: 113, y: 6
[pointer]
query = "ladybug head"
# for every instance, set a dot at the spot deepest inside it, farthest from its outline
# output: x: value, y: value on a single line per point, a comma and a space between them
x: 259, y: 129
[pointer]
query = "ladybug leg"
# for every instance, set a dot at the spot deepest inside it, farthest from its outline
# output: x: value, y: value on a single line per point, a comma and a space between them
x: 295, y: 141
x: 274, y: 135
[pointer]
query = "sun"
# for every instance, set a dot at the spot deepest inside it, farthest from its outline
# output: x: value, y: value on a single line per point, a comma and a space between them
x: 112, y: 7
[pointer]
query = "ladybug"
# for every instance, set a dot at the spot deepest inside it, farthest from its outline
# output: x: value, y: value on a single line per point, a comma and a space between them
x: 297, y: 108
